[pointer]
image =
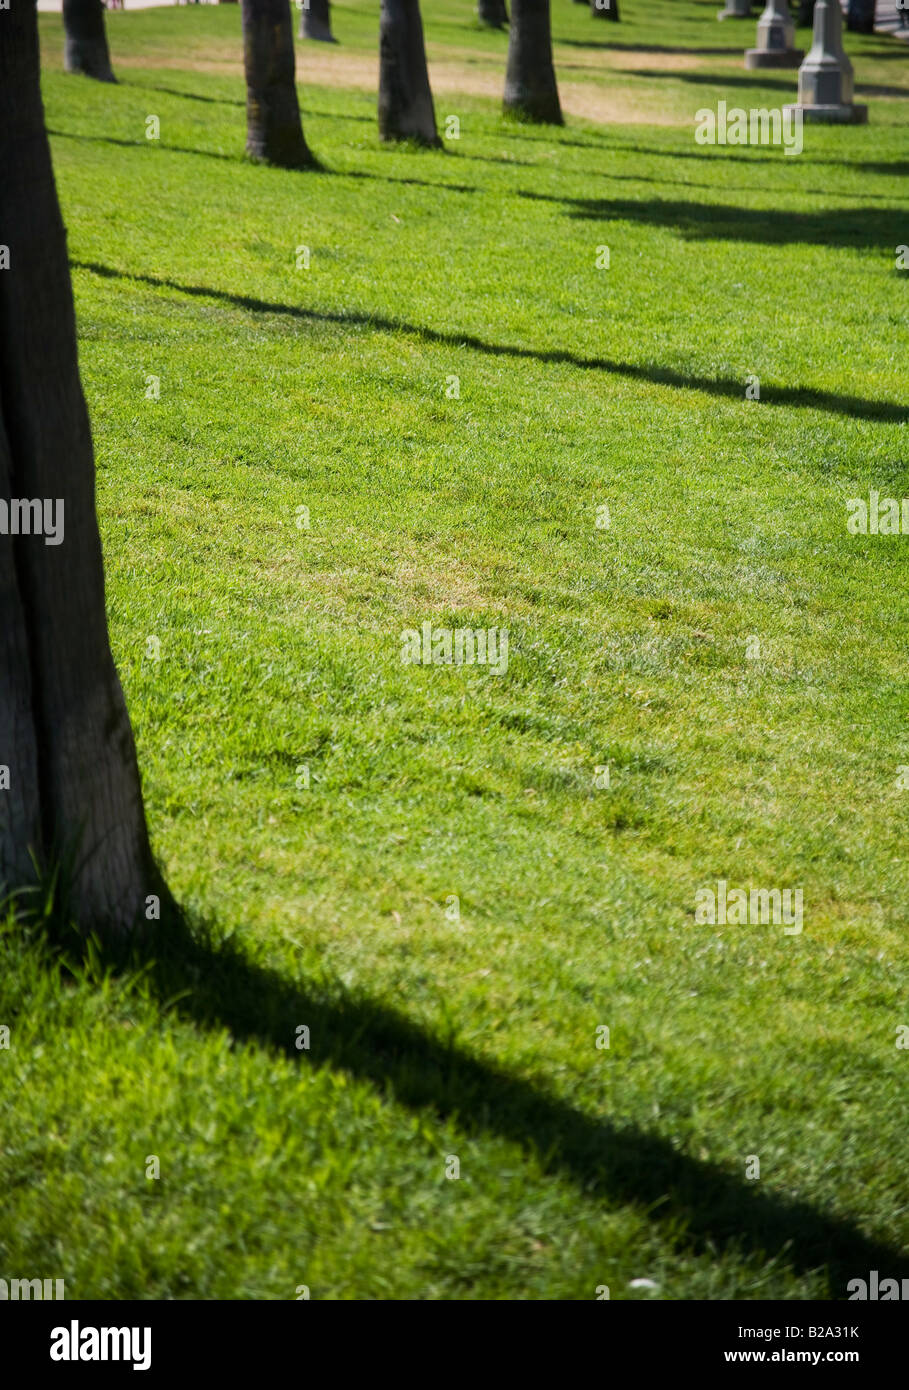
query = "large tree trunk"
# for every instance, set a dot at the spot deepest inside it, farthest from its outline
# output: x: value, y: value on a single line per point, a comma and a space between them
x: 406, y: 111
x: 74, y: 795
x: 274, y: 133
x: 530, y: 84
x: 85, y: 39
x: 605, y: 9
x: 315, y: 21
x: 493, y: 13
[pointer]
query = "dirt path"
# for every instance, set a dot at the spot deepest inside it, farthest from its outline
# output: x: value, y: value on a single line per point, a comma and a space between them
x: 448, y: 76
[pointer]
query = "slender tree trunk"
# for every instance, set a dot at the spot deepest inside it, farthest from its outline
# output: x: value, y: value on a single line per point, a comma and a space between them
x: 315, y: 22
x: 493, y: 13
x: 274, y: 133
x: 406, y: 111
x: 85, y: 39
x: 860, y: 16
x: 530, y: 83
x: 73, y: 783
x: 605, y: 9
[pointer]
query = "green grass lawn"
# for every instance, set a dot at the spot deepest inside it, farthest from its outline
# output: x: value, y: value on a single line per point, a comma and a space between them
x: 473, y: 1034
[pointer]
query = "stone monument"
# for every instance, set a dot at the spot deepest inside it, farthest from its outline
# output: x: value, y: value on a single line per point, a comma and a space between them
x: 775, y: 39
x: 825, y: 77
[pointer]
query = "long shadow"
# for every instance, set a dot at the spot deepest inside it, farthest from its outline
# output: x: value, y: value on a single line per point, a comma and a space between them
x: 497, y: 159
x: 760, y: 155
x: 690, y: 183
x: 594, y: 143
x: 306, y: 111
x: 842, y: 227
x: 735, y: 52
x: 188, y: 96
x: 720, y: 79
x: 874, y: 89
x: 436, y: 185
x: 898, y: 167
x: 703, y: 1208
x: 732, y: 389
x: 140, y: 144
x: 758, y: 79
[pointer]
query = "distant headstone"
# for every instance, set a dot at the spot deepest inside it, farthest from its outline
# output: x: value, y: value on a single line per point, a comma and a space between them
x: 825, y: 77
x: 736, y: 9
x: 775, y: 39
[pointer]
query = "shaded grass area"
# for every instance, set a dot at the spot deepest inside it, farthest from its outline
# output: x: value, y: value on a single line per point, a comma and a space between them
x: 469, y: 1029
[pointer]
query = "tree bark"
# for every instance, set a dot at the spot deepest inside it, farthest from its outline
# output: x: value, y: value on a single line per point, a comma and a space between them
x: 315, y: 22
x: 406, y: 110
x: 531, y: 93
x: 274, y: 133
x: 493, y: 13
x: 605, y: 9
x: 85, y: 40
x: 860, y: 16
x: 74, y: 795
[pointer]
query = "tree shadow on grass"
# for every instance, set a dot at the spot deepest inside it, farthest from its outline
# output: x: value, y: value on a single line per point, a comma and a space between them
x: 871, y: 228
x: 731, y: 388
x: 721, y: 79
x: 703, y: 1208
x: 735, y: 52
x: 874, y: 89
x: 496, y: 159
x: 187, y: 96
x: 768, y: 155
x: 437, y: 185
x: 141, y: 144
x: 305, y: 111
x: 758, y: 78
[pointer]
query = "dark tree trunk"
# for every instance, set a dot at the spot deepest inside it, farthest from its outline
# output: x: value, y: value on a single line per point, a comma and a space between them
x: 315, y: 22
x: 605, y: 9
x: 274, y: 133
x: 493, y: 13
x: 85, y: 40
x: 74, y: 794
x: 530, y: 84
x: 805, y: 14
x: 860, y: 16
x: 406, y: 111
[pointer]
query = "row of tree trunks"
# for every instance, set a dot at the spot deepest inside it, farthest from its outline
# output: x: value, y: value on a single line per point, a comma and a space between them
x: 74, y: 794
x: 406, y: 111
